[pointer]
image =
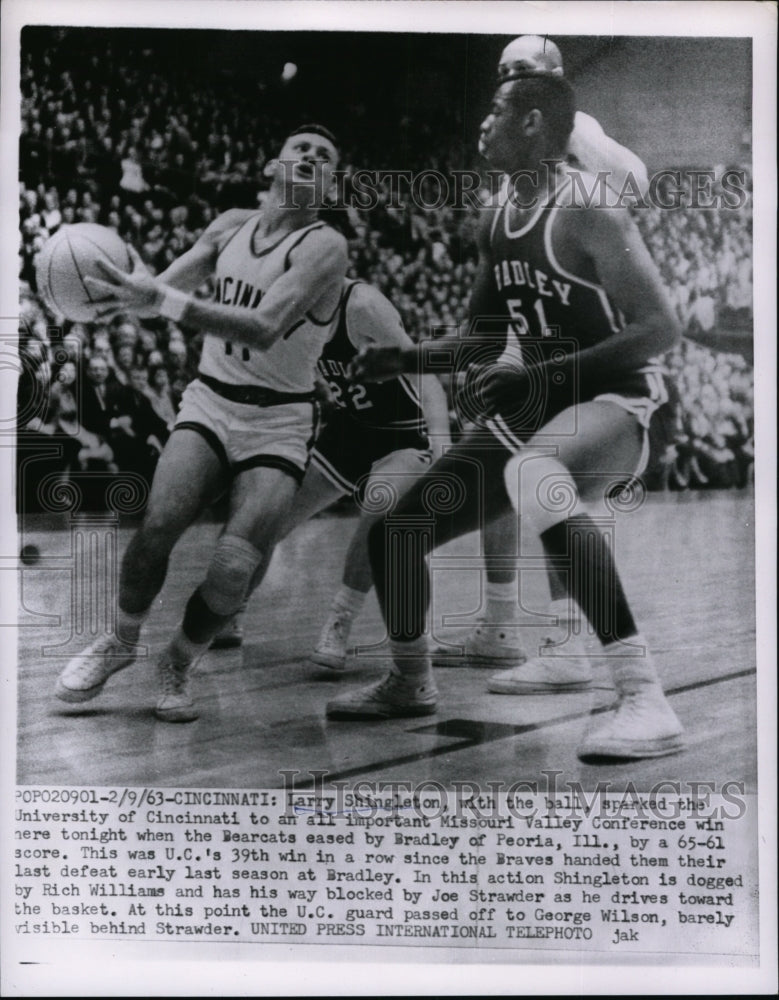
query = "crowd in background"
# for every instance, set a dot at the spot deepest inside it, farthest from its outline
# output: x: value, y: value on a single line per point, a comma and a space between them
x: 109, y: 140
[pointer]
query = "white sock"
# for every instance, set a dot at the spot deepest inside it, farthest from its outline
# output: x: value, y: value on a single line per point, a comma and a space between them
x: 412, y: 659
x: 128, y: 626
x: 347, y: 602
x: 632, y: 673
x: 502, y: 606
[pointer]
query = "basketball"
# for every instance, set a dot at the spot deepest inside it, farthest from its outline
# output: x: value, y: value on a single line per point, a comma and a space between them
x: 72, y: 254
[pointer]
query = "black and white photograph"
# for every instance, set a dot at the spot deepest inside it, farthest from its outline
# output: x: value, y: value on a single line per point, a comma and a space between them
x: 389, y: 543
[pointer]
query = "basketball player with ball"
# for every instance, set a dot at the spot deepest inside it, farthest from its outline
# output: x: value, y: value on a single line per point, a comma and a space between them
x: 246, y: 422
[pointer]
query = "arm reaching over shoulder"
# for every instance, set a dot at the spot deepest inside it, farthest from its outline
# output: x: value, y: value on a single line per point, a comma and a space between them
x: 316, y: 271
x: 598, y: 152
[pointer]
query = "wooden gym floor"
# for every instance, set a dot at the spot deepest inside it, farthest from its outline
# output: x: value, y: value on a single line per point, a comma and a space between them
x: 687, y: 561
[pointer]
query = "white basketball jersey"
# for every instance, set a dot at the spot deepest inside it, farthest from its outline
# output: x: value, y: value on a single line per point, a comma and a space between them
x: 242, y: 276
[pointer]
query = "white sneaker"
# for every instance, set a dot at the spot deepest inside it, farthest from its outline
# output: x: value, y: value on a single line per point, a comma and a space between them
x: 330, y: 651
x: 560, y: 671
x: 643, y: 725
x: 395, y: 697
x: 85, y: 675
x: 490, y: 646
x: 230, y: 636
x: 174, y: 703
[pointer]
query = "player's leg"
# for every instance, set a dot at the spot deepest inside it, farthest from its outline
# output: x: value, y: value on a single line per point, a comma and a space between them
x: 259, y: 502
x: 498, y: 640
x: 547, y: 489
x: 544, y: 490
x: 462, y: 491
x: 500, y: 545
x: 317, y: 492
x: 389, y: 478
x: 188, y: 477
x: 494, y: 642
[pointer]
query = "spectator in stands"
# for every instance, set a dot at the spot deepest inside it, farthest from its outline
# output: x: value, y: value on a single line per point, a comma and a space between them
x: 701, y: 312
x: 95, y: 403
x: 137, y: 433
x: 132, y: 181
x: 51, y: 215
x: 113, y: 141
x: 160, y: 395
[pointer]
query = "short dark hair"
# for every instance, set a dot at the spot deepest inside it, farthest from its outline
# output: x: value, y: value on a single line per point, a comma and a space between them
x: 314, y: 129
x: 552, y: 95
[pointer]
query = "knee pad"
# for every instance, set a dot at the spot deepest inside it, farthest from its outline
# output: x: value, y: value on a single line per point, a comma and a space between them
x: 540, y: 488
x: 229, y: 574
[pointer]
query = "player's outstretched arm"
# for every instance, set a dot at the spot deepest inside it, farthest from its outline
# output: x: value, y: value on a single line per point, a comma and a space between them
x: 443, y: 355
x: 316, y: 267
x: 598, y: 152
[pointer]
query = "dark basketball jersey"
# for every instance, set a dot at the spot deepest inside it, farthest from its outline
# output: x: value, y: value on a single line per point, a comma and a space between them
x: 548, y: 307
x: 552, y: 315
x: 392, y: 404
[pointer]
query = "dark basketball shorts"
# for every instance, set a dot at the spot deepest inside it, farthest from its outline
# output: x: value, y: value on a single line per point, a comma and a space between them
x: 640, y: 393
x: 346, y: 451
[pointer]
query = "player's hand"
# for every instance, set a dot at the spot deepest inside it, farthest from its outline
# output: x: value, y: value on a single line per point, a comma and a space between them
x: 135, y: 292
x: 502, y: 390
x: 488, y: 389
x: 467, y: 397
x: 324, y: 395
x: 377, y: 364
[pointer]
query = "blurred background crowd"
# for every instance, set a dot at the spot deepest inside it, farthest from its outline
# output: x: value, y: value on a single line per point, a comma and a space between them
x: 109, y: 138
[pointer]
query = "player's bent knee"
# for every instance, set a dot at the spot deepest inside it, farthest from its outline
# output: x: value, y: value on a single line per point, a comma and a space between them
x: 155, y: 539
x: 229, y: 574
x: 540, y: 488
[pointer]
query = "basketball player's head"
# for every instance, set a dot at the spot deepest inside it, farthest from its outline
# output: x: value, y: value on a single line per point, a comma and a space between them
x: 529, y: 54
x: 305, y: 164
x: 530, y: 120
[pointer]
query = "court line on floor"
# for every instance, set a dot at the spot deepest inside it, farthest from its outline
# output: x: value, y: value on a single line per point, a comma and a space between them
x: 472, y: 733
